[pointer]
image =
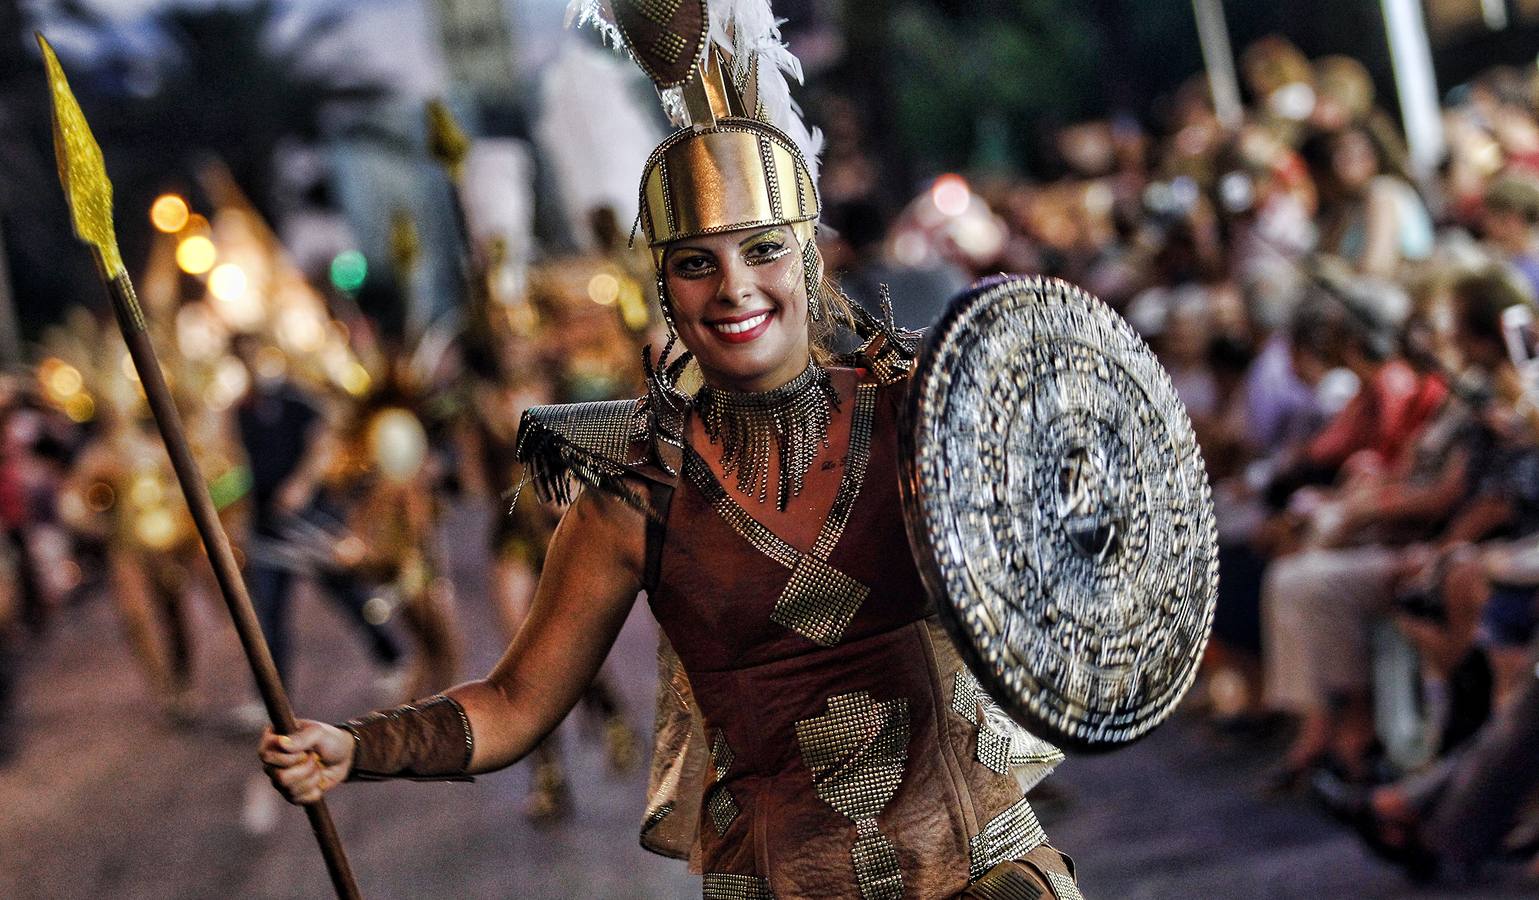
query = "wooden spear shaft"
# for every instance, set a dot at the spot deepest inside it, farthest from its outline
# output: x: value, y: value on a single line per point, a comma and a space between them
x: 217, y: 544
x: 84, y: 178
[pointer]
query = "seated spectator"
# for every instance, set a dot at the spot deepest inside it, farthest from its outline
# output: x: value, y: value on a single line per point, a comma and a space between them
x: 1370, y: 218
x: 1319, y: 605
x: 1511, y: 223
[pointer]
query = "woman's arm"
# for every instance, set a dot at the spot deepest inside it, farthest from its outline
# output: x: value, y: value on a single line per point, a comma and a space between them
x: 592, y: 575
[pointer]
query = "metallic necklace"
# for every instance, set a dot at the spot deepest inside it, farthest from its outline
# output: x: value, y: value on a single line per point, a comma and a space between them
x: 792, y: 420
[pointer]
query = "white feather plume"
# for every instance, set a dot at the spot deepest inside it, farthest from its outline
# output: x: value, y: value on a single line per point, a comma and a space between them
x: 750, y: 34
x: 597, y: 15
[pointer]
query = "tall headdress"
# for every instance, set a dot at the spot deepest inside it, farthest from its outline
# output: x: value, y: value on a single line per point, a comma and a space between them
x: 742, y: 157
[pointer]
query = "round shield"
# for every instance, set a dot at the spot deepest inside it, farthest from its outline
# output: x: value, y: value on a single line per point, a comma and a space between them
x: 1059, y: 511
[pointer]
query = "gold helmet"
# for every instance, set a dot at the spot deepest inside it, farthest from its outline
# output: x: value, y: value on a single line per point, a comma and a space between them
x: 734, y: 162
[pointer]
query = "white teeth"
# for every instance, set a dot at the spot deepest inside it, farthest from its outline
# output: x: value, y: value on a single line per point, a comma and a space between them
x: 740, y: 327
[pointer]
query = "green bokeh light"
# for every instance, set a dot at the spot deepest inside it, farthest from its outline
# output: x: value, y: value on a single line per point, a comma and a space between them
x: 348, y: 270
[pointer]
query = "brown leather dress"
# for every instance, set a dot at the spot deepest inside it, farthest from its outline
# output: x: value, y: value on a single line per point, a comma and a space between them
x: 818, y: 735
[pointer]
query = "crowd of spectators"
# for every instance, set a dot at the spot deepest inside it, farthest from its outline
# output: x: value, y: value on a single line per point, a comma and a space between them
x: 1349, y: 338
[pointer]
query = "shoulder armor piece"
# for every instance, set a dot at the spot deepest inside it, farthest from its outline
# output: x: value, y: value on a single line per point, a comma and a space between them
x: 601, y: 443
x: 887, y: 351
x: 591, y: 442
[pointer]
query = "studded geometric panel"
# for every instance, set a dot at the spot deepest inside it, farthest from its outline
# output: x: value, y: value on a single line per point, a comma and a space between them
x: 735, y: 887
x: 856, y: 753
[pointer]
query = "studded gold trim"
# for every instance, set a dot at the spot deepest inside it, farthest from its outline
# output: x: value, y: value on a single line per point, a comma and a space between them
x: 856, y: 753
x: 818, y: 601
x: 771, y: 178
x: 735, y: 887
x: 1002, y: 745
x: 1010, y: 835
x: 722, y: 805
x: 743, y: 188
x: 1064, y: 887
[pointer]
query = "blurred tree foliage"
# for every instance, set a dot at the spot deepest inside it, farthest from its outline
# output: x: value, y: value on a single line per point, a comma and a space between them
x: 233, y: 81
x: 971, y: 79
x: 979, y: 84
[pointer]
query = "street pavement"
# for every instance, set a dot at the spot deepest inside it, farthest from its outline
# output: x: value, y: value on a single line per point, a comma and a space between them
x: 104, y: 799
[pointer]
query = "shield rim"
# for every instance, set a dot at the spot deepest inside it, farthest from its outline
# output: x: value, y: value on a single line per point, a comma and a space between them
x: 924, y: 551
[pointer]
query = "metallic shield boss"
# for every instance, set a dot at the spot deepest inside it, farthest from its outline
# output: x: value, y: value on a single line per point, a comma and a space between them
x: 1059, y: 511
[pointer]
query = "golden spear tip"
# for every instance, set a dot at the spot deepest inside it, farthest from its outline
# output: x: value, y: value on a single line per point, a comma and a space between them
x: 82, y: 171
x: 446, y: 141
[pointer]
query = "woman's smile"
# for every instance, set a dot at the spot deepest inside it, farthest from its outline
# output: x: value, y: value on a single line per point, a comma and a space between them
x: 742, y: 328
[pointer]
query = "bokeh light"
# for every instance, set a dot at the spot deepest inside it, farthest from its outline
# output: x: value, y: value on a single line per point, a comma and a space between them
x: 227, y: 282
x: 604, y: 289
x: 356, y: 380
x: 65, y: 381
x: 80, y: 408
x: 398, y: 444
x: 169, y: 213
x: 238, y: 305
x: 156, y: 528
x: 349, y: 270
x: 196, y: 254
x: 951, y: 195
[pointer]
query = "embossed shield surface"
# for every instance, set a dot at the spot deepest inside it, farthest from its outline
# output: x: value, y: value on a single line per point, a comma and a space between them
x: 1059, y: 511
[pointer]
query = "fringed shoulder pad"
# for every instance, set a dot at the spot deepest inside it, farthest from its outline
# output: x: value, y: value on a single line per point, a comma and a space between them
x: 607, y: 445
x: 887, y: 351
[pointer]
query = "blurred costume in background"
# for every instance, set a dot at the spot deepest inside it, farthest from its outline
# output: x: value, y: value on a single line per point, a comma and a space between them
x: 288, y: 446
x: 383, y: 479
x: 552, y: 336
x: 126, y: 487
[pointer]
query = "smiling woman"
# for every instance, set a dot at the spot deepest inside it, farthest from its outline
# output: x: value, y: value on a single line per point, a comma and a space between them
x: 739, y: 301
x: 818, y: 734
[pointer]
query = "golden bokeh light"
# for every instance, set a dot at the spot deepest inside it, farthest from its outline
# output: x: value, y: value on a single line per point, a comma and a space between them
x: 604, y: 289
x: 80, y: 408
x: 356, y: 380
x: 228, y: 282
x: 196, y: 254
x: 64, y: 381
x: 156, y: 528
x: 169, y: 213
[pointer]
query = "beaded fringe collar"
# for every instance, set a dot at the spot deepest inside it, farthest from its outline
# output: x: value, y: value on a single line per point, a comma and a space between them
x: 792, y: 420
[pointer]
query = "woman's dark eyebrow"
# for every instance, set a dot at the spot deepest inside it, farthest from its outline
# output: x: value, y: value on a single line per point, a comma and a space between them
x: 774, y: 233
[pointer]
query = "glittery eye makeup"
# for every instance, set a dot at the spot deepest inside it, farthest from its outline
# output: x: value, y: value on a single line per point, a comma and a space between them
x: 765, y: 247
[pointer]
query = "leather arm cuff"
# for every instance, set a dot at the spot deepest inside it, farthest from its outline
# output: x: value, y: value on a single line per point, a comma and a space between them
x: 428, y: 741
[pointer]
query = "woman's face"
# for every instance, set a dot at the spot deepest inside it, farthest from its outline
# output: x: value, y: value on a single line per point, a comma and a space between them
x: 740, y: 305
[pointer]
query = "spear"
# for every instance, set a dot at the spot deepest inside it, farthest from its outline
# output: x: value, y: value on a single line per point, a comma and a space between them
x: 83, y: 174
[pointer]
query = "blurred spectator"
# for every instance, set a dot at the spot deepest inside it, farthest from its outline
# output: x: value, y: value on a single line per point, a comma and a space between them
x: 1511, y: 223
x: 1320, y: 604
x: 1372, y: 219
x: 919, y: 292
